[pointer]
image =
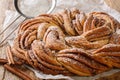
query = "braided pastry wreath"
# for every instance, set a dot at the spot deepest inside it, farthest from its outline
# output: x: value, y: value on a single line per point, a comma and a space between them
x: 69, y: 43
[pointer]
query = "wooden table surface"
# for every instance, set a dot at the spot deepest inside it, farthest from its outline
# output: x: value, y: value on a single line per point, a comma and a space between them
x: 8, y: 5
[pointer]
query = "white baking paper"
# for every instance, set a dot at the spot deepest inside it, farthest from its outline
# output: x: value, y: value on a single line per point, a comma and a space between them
x: 84, y: 5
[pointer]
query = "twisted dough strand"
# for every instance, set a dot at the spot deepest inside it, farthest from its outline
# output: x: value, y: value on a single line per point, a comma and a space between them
x: 68, y: 43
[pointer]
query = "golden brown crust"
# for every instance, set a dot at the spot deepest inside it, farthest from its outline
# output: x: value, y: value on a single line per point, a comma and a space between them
x: 68, y: 43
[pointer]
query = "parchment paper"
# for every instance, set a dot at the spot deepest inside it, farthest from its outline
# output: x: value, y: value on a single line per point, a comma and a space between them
x: 84, y: 5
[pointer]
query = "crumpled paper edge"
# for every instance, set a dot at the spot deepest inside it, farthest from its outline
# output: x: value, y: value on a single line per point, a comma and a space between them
x: 44, y: 76
x: 49, y: 76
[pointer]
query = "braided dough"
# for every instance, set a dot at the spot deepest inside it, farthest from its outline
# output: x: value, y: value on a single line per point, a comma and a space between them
x: 69, y: 43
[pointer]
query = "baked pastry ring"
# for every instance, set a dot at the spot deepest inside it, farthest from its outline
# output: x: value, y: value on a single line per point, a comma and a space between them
x: 69, y: 43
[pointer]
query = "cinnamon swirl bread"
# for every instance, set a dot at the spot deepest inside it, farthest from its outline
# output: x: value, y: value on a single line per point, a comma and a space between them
x: 70, y: 42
